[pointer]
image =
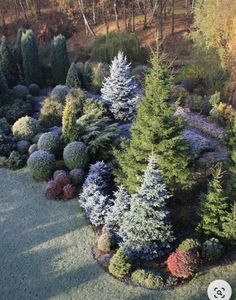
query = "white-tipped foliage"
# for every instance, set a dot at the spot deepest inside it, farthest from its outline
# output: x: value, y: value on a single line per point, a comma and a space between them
x: 118, y: 90
x: 120, y: 205
x: 93, y: 197
x: 146, y: 231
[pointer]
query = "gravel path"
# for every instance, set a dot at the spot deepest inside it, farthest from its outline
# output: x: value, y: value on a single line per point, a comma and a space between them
x: 45, y: 251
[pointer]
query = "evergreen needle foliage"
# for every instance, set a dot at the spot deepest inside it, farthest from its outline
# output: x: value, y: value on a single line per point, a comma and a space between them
x: 30, y: 57
x: 146, y: 231
x: 8, y: 64
x: 230, y: 226
x: 59, y: 59
x: 213, y: 207
x: 156, y: 130
x: 73, y: 77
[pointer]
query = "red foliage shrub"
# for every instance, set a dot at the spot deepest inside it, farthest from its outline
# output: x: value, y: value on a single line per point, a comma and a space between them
x: 63, y: 180
x: 69, y: 191
x: 182, y: 264
x: 53, y: 189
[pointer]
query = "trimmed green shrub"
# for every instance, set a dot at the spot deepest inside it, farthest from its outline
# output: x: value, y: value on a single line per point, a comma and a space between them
x: 30, y: 57
x: 18, y: 46
x: 87, y: 76
x: 34, y: 89
x: 41, y: 164
x: 51, y: 113
x: 50, y: 142
x: 23, y: 146
x: 6, y: 145
x: 104, y: 48
x: 77, y: 176
x: 20, y: 91
x: 60, y: 92
x: 105, y: 242
x: 59, y: 59
x: 212, y: 249
x: 16, y: 160
x: 229, y: 227
x: 73, y: 79
x: 100, y: 72
x: 3, y: 86
x: 73, y: 110
x: 8, y: 64
x: 75, y: 155
x: 4, y: 126
x: 190, y: 245
x: 25, y: 128
x: 120, y: 265
x: 149, y: 279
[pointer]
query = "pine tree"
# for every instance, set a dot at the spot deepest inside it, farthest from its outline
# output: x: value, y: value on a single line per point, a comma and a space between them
x: 231, y: 144
x: 8, y: 65
x: 30, y: 58
x: 87, y: 76
x: 73, y: 77
x: 72, y: 111
x: 59, y: 59
x: 120, y: 205
x: 146, y: 231
x: 156, y: 130
x: 213, y: 207
x: 118, y: 90
x: 18, y: 46
x: 94, y: 197
x: 229, y: 227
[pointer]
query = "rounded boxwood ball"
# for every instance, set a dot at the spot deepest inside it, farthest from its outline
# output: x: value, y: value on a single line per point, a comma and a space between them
x: 77, y: 176
x: 25, y: 128
x: 20, y: 91
x: 34, y: 89
x: 50, y: 142
x: 23, y: 146
x: 41, y: 164
x: 75, y: 155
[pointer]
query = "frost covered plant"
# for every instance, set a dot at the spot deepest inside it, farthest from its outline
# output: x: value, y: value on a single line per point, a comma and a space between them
x: 25, y: 128
x: 60, y: 92
x: 93, y: 197
x: 145, y: 230
x: 120, y: 205
x: 149, y: 279
x: 120, y: 264
x: 75, y: 155
x: 118, y: 90
x: 41, y: 164
x: 50, y: 142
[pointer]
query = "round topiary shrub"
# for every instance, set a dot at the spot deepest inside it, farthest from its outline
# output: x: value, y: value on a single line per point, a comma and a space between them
x: 77, y: 176
x: 190, y: 245
x: 120, y: 264
x: 23, y: 146
x: 34, y: 89
x: 63, y: 180
x: 69, y: 191
x: 60, y: 92
x: 148, y: 279
x: 25, y: 128
x: 53, y: 189
x: 75, y: 155
x: 20, y: 91
x: 182, y: 264
x: 16, y: 161
x: 41, y: 164
x: 50, y: 142
x: 58, y: 172
x: 212, y: 249
x: 105, y: 242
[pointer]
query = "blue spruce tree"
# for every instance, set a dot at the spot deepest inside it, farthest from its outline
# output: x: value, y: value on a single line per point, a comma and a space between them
x: 118, y: 90
x: 146, y: 231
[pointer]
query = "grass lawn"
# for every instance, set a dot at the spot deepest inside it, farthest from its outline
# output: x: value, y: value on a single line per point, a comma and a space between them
x: 45, y: 252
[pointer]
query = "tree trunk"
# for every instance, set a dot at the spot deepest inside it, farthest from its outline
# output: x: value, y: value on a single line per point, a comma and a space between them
x: 161, y: 19
x: 116, y: 15
x: 173, y: 17
x: 133, y: 15
x: 86, y: 23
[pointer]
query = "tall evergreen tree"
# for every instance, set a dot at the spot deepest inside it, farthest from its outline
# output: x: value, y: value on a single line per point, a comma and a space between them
x: 59, y: 59
x: 156, y: 130
x: 146, y: 231
x: 8, y: 64
x: 229, y: 227
x: 73, y: 77
x: 30, y: 58
x: 118, y: 90
x: 116, y: 213
x: 87, y: 76
x: 213, y: 207
x: 18, y: 46
x: 231, y: 144
x: 3, y: 85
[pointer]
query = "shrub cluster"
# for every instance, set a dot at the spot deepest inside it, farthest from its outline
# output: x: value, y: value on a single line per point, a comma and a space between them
x: 25, y: 128
x: 212, y: 249
x: 149, y: 279
x: 51, y: 113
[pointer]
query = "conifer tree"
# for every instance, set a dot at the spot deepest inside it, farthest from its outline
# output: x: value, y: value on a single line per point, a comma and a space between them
x: 118, y: 90
x: 120, y: 205
x: 156, y: 130
x: 87, y: 76
x: 8, y: 65
x: 229, y: 227
x: 3, y: 85
x: 213, y: 207
x: 72, y: 111
x: 73, y: 77
x: 59, y: 59
x: 231, y: 139
x: 30, y: 58
x: 146, y: 231
x: 18, y: 46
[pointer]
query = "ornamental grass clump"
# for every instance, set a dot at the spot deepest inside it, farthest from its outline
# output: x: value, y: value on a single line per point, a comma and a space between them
x: 41, y: 164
